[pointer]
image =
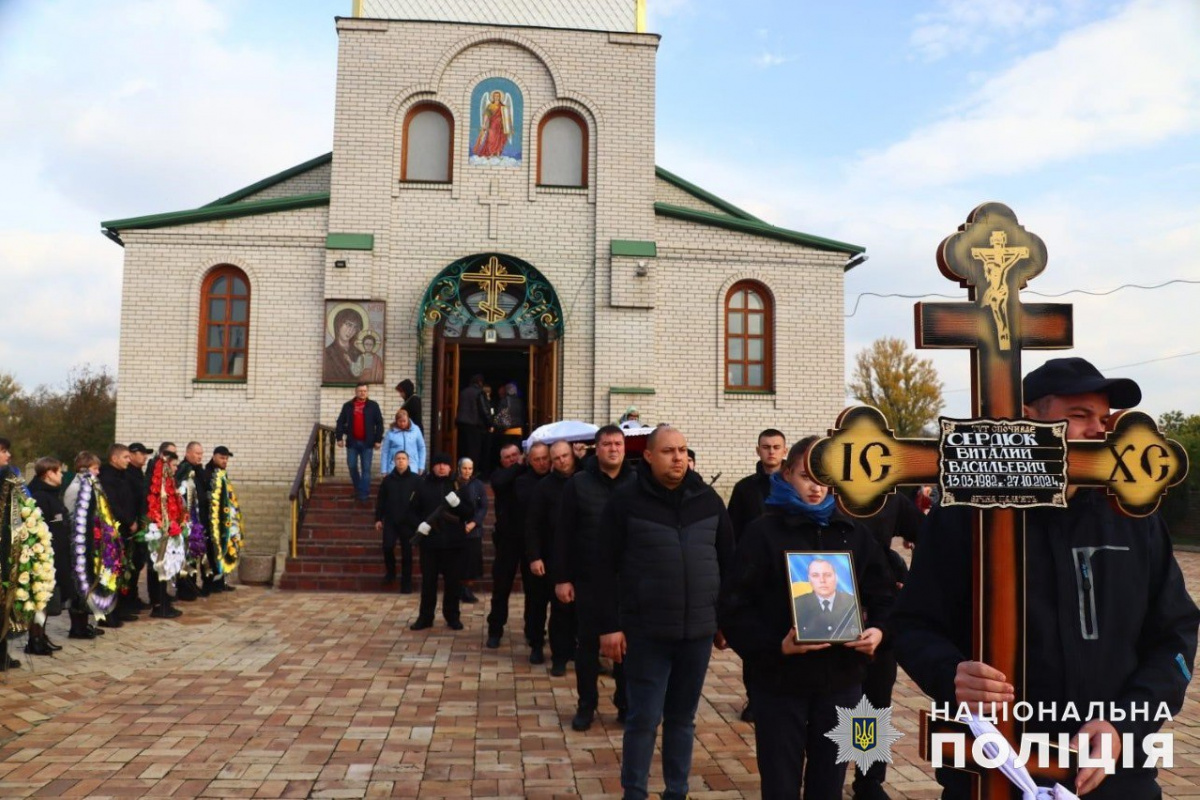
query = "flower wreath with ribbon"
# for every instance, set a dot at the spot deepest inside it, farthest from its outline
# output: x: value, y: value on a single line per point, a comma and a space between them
x: 167, y: 522
x: 195, y: 561
x: 13, y: 538
x: 226, y: 518
x: 94, y: 524
x: 35, y: 565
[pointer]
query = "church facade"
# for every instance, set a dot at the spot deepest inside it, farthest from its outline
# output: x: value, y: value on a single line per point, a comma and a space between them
x: 491, y: 205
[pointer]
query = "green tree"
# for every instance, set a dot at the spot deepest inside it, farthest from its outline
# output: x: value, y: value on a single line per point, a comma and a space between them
x: 904, y: 387
x: 10, y: 390
x: 60, y: 422
x: 1185, y: 429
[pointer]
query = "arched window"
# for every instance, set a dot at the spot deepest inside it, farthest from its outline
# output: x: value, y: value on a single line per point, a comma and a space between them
x: 224, y: 324
x: 562, y: 149
x: 749, y: 338
x: 428, y: 139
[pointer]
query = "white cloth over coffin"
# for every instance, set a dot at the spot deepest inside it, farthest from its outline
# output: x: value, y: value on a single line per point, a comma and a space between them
x: 1018, y: 776
x: 567, y: 430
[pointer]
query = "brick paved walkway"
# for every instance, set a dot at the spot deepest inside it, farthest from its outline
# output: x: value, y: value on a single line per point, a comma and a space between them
x: 267, y: 694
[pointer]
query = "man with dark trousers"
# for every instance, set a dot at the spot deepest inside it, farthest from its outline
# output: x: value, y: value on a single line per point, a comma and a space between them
x: 124, y: 507
x: 577, y: 548
x: 138, y: 483
x: 160, y: 600
x: 472, y: 420
x: 392, y: 520
x: 189, y: 588
x: 669, y: 542
x: 538, y: 460
x: 360, y: 430
x: 746, y: 503
x: 507, y: 538
x: 540, y: 524
x: 440, y: 512
x: 215, y: 582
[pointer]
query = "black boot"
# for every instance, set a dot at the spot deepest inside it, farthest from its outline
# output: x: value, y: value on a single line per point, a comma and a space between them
x: 36, y: 646
x: 46, y: 640
x: 185, y: 590
x: 162, y: 604
x: 7, y: 663
x: 79, y: 626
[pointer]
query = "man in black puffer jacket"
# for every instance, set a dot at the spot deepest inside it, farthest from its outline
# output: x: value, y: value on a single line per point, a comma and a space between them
x: 391, y: 517
x: 658, y: 581
x: 541, y: 520
x: 124, y: 506
x: 439, y: 513
x: 577, y: 548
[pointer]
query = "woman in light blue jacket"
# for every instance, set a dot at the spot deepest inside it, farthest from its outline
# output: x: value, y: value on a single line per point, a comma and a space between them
x: 403, y: 435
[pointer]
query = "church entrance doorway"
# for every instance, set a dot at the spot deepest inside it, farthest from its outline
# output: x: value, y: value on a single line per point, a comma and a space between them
x: 495, y: 316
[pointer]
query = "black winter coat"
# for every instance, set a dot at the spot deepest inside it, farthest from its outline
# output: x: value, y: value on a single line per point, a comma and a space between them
x: 541, y: 518
x: 395, y: 496
x: 523, y: 489
x: 429, y: 505
x: 898, y: 517
x: 746, y: 500
x: 61, y: 525
x: 504, y: 494
x: 203, y: 481
x: 121, y: 499
x: 1108, y: 619
x: 660, y: 571
x: 139, y: 484
x: 577, y: 548
x: 756, y: 604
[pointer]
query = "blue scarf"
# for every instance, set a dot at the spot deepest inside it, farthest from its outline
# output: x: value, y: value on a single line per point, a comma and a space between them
x: 785, y: 497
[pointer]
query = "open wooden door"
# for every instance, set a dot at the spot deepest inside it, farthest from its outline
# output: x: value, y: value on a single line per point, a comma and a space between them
x: 543, y: 384
x: 445, y: 359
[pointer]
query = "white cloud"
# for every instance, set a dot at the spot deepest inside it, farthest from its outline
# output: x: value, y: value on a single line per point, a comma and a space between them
x: 975, y: 26
x: 1129, y: 81
x: 766, y: 60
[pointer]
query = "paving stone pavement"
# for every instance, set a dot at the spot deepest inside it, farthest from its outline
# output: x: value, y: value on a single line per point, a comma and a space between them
x: 259, y: 693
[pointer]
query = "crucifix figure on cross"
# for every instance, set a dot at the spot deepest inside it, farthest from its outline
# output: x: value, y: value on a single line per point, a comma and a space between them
x: 1045, y: 580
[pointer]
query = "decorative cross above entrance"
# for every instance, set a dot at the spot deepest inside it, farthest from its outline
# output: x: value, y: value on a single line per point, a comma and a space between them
x: 493, y: 278
x: 493, y: 201
x: 996, y: 462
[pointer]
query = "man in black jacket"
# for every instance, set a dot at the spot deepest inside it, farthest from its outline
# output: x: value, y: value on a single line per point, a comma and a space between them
x: 44, y: 489
x: 360, y: 424
x: 392, y: 520
x: 746, y: 505
x: 540, y: 524
x: 138, y: 553
x: 187, y: 589
x: 124, y: 506
x: 439, y: 513
x: 1108, y: 617
x: 659, y: 577
x: 473, y: 420
x: 538, y: 467
x: 508, y: 536
x: 577, y: 548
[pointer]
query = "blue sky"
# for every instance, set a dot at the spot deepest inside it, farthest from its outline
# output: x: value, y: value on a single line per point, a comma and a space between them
x: 871, y: 121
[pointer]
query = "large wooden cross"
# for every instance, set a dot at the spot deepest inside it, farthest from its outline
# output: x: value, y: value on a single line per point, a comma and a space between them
x: 993, y: 257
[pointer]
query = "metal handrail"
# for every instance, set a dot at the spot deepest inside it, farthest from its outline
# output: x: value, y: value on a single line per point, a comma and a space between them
x: 315, y: 465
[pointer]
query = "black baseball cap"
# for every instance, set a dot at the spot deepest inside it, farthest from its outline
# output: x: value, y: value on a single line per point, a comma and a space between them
x: 222, y: 450
x: 138, y: 447
x: 1067, y: 376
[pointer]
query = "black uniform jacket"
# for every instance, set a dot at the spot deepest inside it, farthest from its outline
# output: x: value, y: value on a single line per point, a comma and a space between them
x: 1108, y: 618
x: 756, y: 606
x: 541, y: 517
x: 577, y: 547
x: 396, y: 492
x: 122, y: 501
x: 429, y: 505
x: 746, y: 500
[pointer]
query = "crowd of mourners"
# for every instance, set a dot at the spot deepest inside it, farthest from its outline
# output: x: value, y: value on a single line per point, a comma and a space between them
x: 77, y: 538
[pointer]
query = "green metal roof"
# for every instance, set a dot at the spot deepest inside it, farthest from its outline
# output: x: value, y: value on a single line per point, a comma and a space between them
x: 210, y: 213
x: 755, y: 228
x: 701, y: 194
x: 267, y: 183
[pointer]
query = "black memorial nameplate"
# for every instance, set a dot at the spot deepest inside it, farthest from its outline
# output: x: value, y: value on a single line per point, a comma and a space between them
x: 999, y: 463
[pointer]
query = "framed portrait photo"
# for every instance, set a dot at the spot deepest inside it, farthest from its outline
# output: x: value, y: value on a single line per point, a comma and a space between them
x: 825, y: 602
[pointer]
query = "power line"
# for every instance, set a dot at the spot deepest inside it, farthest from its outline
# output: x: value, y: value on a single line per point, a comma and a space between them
x: 858, y: 299
x: 1120, y: 366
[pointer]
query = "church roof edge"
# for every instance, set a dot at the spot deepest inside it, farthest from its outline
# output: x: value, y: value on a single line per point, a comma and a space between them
x: 657, y: 37
x: 210, y: 212
x: 703, y: 194
x: 756, y: 228
x: 273, y: 180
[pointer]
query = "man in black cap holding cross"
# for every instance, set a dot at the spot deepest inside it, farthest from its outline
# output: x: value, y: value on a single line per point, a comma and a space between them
x: 1108, y: 619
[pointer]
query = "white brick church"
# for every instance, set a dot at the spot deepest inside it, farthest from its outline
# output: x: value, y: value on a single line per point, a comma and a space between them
x: 476, y: 140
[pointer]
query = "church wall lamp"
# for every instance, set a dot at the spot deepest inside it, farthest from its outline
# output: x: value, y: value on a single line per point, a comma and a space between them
x: 642, y: 270
x: 339, y: 264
